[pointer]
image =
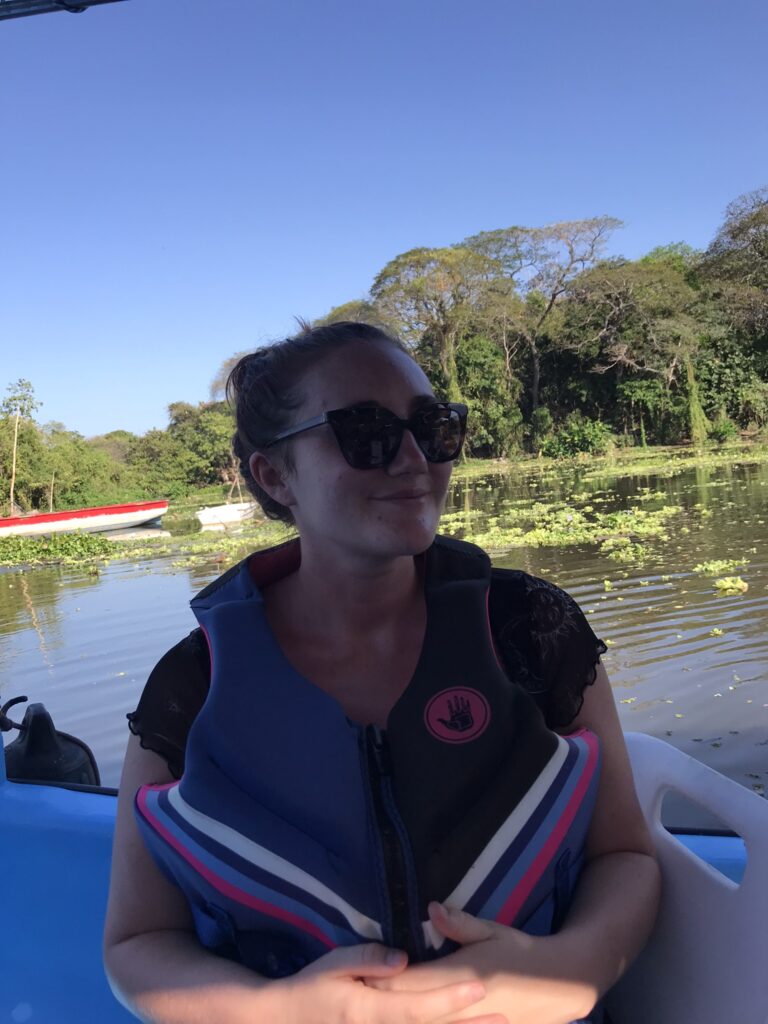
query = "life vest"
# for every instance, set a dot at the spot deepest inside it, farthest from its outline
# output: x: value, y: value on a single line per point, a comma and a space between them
x: 294, y: 830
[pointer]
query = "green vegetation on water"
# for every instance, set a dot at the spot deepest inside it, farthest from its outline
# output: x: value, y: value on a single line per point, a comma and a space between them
x: 557, y: 524
x: 731, y: 585
x: 90, y: 548
x: 67, y: 548
x: 718, y: 565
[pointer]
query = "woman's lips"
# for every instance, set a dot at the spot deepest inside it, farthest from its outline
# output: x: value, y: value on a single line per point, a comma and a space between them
x: 402, y: 496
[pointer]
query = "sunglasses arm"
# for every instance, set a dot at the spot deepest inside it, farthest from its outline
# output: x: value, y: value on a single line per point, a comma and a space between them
x: 316, y: 421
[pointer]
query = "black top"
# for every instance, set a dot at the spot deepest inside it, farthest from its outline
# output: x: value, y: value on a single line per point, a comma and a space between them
x: 541, y: 635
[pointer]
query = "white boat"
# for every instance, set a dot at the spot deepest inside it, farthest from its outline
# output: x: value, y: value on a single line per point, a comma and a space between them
x: 90, y: 520
x: 219, y: 517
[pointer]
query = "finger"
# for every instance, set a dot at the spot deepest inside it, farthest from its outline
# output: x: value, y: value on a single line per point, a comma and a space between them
x: 430, y: 1006
x: 458, y: 925
x: 382, y: 984
x: 370, y: 959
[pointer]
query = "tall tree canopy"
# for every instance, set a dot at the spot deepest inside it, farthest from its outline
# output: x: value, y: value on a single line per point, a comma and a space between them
x: 540, y: 263
x: 429, y: 295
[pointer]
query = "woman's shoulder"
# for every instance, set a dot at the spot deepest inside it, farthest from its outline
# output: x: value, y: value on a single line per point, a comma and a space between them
x: 171, y: 699
x: 544, y: 604
x: 544, y: 640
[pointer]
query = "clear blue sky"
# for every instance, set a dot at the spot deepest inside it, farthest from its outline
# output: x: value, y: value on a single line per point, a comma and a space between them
x: 182, y: 177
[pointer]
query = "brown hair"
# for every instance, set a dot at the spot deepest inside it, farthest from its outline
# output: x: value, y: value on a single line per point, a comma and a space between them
x: 264, y: 388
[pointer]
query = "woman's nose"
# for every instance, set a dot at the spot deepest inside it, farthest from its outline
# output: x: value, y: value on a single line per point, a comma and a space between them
x: 409, y: 455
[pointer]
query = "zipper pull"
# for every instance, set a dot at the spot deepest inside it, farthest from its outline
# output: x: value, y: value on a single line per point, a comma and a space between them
x: 381, y: 750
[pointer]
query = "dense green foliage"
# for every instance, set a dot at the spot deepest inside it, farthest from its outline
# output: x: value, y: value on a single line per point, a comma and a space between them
x: 556, y: 349
x: 59, y: 469
x: 578, y: 435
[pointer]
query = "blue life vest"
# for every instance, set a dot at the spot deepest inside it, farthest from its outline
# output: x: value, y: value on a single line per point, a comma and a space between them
x: 294, y: 830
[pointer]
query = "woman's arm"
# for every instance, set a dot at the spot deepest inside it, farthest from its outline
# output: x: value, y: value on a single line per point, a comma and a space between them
x: 154, y: 963
x: 558, y: 978
x: 617, y: 898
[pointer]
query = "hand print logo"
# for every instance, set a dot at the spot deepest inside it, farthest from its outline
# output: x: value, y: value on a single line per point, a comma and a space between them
x: 457, y: 715
x: 461, y: 715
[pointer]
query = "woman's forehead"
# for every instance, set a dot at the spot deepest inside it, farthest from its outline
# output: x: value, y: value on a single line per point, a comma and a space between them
x: 365, y: 373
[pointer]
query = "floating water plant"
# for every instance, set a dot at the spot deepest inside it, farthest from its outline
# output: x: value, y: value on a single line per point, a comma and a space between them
x: 718, y: 565
x: 628, y: 553
x: 732, y: 585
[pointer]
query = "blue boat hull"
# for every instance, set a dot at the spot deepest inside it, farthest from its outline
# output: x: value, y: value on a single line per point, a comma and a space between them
x: 55, y: 852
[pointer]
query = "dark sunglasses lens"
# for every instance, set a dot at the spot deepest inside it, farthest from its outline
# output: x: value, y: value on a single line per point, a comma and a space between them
x: 368, y: 438
x: 439, y: 432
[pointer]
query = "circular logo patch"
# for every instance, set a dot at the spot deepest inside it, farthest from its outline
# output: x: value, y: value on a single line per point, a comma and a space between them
x: 457, y: 715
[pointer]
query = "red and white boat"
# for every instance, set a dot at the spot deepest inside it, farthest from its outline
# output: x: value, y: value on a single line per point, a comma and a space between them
x: 90, y: 520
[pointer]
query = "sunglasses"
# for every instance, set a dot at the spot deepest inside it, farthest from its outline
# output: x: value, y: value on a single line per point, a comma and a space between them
x: 369, y: 436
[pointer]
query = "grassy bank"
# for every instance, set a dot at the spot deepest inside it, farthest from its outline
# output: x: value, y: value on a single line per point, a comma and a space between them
x: 656, y: 461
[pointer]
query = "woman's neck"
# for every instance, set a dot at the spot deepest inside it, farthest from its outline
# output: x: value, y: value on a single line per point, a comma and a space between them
x: 341, y: 599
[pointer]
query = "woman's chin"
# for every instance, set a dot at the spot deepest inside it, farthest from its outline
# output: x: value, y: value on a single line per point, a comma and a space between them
x: 407, y: 538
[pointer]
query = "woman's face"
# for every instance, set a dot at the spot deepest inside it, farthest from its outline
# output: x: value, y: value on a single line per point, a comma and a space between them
x: 381, y: 513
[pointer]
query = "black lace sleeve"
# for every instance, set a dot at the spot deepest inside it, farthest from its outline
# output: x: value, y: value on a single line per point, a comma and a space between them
x: 173, y: 695
x: 544, y: 642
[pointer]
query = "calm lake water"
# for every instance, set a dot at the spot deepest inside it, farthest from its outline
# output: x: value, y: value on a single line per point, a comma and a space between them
x: 688, y: 663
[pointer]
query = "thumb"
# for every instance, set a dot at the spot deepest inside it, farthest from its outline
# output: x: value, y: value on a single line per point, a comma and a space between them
x: 457, y: 925
x: 370, y: 959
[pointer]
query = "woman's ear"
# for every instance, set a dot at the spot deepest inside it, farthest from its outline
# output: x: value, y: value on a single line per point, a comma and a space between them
x: 270, y: 479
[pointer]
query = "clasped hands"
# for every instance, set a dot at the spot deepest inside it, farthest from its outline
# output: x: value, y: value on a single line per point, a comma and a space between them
x: 500, y: 975
x: 522, y: 974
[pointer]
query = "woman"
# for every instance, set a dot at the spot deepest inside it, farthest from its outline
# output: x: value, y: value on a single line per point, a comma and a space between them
x: 380, y: 817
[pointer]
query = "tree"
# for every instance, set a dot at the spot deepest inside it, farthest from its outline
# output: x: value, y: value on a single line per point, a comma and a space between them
x: 162, y: 464
x: 205, y: 432
x: 699, y: 425
x: 739, y: 250
x: 357, y: 310
x: 540, y: 263
x: 29, y: 480
x: 631, y: 315
x: 495, y: 423
x: 683, y: 257
x: 20, y: 403
x: 429, y: 295
x: 639, y: 321
x: 498, y: 315
x: 735, y: 269
x: 76, y: 472
x: 645, y: 396
x: 115, y: 443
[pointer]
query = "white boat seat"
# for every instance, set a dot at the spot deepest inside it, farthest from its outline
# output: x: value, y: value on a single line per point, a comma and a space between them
x: 706, y: 960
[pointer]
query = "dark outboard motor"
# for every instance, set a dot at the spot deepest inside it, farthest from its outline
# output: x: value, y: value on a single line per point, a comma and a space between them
x: 43, y: 754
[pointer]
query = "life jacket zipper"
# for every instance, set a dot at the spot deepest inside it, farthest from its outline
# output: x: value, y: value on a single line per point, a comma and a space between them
x: 405, y: 929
